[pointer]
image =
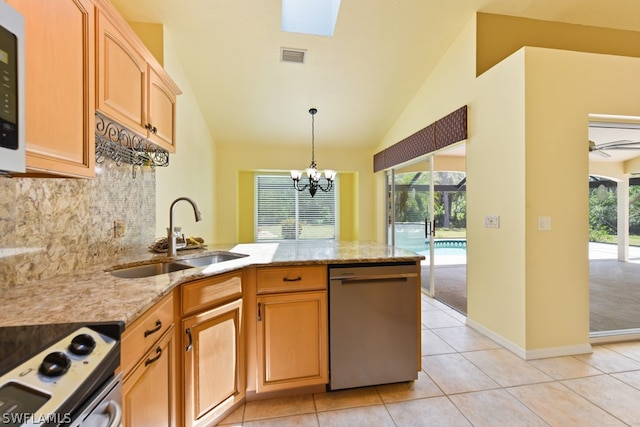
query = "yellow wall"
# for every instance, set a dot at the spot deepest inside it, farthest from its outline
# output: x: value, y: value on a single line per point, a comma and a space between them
x: 500, y: 35
x: 448, y: 88
x: 496, y: 186
x: 237, y: 164
x: 526, y: 157
x: 190, y: 172
x: 563, y: 88
x: 152, y: 35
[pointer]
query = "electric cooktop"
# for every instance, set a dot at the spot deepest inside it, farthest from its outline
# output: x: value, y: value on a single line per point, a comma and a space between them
x: 19, y: 343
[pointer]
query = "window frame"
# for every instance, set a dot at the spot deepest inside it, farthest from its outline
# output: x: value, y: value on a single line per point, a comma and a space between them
x: 297, y: 215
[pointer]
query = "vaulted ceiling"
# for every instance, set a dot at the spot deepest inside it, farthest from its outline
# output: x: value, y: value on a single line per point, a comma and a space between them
x: 360, y: 79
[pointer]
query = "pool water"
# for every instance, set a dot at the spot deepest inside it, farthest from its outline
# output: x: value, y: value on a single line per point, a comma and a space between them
x: 446, y: 251
x: 445, y: 255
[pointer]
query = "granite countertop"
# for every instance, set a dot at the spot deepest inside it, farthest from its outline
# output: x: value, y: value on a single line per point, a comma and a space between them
x: 94, y: 295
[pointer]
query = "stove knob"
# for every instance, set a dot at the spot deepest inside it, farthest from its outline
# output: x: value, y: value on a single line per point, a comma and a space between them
x: 82, y: 344
x: 55, y: 364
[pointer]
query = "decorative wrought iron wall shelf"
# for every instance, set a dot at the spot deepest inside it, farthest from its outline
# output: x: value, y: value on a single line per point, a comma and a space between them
x: 123, y: 146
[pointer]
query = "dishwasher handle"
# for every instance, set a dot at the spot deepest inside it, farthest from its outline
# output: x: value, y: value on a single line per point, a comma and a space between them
x: 374, y: 277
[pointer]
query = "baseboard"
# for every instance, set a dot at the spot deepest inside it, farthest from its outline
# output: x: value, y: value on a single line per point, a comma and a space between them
x: 568, y: 350
x: 251, y: 395
x: 525, y: 354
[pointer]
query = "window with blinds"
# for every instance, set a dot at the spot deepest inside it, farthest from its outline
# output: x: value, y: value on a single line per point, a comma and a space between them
x: 282, y: 213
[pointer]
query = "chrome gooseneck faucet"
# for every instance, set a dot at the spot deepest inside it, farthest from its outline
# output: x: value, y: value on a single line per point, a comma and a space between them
x: 171, y: 238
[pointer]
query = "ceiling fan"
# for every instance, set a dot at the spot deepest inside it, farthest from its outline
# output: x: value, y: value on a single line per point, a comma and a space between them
x: 623, y: 144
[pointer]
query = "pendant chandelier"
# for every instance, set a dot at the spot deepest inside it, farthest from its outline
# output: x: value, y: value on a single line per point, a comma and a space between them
x: 313, y: 175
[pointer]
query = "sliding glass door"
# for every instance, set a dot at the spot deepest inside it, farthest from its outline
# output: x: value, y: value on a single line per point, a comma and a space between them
x: 427, y: 214
x: 410, y: 208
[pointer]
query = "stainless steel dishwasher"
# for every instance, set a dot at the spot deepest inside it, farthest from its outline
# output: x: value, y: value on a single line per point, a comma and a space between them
x: 374, y: 312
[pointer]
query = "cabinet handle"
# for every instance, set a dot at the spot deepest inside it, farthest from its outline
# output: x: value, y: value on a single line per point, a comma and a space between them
x: 259, y: 312
x: 297, y: 279
x: 153, y: 359
x: 151, y: 128
x: 154, y: 129
x: 190, y: 345
x: 154, y: 330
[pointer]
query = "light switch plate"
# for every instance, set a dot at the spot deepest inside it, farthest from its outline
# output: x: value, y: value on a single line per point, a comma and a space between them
x: 492, y: 221
x: 544, y: 223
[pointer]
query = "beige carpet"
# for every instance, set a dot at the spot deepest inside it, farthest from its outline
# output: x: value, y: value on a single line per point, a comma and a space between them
x: 614, y: 295
x: 451, y: 285
x: 614, y: 292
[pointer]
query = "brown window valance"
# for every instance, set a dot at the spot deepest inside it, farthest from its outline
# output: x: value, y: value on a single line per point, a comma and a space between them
x: 439, y: 134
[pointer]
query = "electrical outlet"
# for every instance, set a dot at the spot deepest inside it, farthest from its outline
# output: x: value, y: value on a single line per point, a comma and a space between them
x: 544, y: 223
x: 118, y: 229
x: 492, y: 221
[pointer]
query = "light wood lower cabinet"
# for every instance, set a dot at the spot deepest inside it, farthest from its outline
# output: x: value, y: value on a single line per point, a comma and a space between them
x: 213, y: 349
x: 149, y: 391
x: 292, y: 340
x: 292, y: 327
x: 149, y: 366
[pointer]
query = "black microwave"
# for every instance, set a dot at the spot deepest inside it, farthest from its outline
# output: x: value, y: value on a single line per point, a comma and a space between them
x: 12, y: 95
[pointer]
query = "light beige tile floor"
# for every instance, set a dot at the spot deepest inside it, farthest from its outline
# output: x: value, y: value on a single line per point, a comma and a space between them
x: 469, y: 380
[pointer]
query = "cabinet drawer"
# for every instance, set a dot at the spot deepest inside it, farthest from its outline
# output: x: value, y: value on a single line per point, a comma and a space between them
x: 209, y: 292
x: 144, y: 332
x: 149, y: 392
x: 291, y: 279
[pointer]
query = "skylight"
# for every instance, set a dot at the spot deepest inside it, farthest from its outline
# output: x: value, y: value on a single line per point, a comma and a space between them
x: 317, y: 17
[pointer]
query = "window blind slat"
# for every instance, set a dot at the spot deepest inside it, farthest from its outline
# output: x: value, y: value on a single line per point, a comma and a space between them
x: 282, y: 213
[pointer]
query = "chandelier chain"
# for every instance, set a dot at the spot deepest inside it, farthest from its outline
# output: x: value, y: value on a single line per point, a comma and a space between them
x: 313, y: 112
x: 313, y: 176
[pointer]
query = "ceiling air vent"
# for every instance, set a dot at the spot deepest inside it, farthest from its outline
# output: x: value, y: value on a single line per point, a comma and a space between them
x: 292, y: 55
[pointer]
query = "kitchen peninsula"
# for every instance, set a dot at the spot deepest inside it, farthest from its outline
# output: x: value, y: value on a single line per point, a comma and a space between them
x: 92, y: 294
x: 257, y: 323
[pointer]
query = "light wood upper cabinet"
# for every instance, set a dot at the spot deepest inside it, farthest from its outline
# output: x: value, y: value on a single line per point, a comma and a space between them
x: 161, y: 112
x: 122, y: 76
x: 60, y: 73
x: 133, y: 89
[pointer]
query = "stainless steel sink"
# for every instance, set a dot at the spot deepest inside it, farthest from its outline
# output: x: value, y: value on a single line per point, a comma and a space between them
x: 148, y: 270
x: 157, y: 268
x: 211, y: 259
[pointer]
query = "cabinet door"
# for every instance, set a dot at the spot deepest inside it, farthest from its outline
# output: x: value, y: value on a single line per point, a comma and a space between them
x: 292, y: 340
x: 59, y: 62
x: 162, y: 113
x: 149, y: 397
x: 213, y: 362
x: 122, y: 78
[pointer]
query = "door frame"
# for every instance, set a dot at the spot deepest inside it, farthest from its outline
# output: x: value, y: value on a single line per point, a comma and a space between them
x: 391, y: 213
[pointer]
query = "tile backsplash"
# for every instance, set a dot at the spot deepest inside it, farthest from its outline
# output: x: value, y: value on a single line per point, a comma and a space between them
x: 52, y: 226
